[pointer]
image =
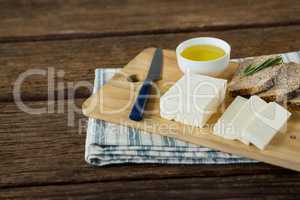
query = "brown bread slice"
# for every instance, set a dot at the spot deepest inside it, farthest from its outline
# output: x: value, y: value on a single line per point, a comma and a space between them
x: 286, y: 84
x: 253, y: 84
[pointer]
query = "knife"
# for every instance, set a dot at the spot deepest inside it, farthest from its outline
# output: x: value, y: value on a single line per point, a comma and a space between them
x: 154, y: 74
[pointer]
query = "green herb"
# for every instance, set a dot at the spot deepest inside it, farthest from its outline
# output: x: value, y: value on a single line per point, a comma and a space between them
x: 253, y: 68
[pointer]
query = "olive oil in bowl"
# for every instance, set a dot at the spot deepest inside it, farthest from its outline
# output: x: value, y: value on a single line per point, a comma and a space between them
x: 203, y: 55
x: 202, y: 52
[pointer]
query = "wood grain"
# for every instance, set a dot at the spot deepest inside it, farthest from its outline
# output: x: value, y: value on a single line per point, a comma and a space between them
x: 233, y: 187
x: 42, y: 150
x: 42, y: 157
x: 79, y: 58
x: 50, y: 19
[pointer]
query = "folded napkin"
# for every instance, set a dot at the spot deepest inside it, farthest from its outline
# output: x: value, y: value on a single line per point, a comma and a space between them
x: 108, y: 143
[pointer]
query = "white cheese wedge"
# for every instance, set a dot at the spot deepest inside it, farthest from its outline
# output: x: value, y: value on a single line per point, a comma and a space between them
x: 223, y: 127
x: 237, y: 116
x: 193, y: 99
x: 251, y: 121
x: 265, y: 124
x: 245, y: 115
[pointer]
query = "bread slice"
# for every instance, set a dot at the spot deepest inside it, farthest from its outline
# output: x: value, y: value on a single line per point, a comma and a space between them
x: 253, y: 84
x: 286, y: 84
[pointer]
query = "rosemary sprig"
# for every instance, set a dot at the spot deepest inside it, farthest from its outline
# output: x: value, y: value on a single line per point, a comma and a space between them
x: 253, y: 68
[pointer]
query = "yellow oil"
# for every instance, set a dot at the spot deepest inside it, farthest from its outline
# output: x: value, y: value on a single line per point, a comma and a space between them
x: 203, y: 52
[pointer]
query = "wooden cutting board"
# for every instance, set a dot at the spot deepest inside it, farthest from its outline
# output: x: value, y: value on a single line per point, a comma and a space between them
x: 114, y: 100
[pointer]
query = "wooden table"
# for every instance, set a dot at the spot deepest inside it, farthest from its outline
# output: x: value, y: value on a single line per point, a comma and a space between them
x: 43, y: 157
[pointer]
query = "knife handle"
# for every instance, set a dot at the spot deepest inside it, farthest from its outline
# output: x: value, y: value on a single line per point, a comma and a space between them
x: 140, y: 102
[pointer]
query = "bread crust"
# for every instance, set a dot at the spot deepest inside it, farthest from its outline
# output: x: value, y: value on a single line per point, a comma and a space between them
x: 280, y: 83
x: 253, y: 84
x: 286, y: 84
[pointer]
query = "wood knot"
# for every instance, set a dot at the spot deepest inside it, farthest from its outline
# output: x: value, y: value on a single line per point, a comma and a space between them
x: 293, y: 137
x: 132, y: 78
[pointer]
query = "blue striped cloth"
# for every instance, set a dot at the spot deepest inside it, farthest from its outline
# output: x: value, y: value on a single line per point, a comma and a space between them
x: 108, y: 143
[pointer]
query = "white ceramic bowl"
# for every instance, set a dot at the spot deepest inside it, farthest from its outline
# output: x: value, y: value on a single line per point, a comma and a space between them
x: 203, y: 67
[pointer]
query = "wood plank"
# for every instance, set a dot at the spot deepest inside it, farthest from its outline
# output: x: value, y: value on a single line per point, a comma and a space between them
x: 237, y: 187
x: 42, y: 149
x: 79, y: 58
x: 60, y: 19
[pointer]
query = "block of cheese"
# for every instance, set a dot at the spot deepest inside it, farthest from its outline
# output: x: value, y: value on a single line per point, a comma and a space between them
x: 265, y: 124
x: 237, y: 116
x: 193, y: 99
x: 223, y: 127
x: 245, y: 115
x: 251, y: 121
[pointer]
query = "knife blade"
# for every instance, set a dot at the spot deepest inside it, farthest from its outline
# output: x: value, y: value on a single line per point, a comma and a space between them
x: 154, y: 74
